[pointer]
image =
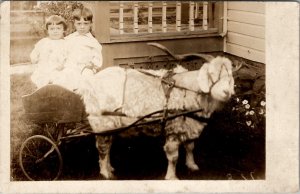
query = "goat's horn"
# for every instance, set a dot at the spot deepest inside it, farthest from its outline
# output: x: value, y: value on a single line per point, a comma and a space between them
x: 164, y: 49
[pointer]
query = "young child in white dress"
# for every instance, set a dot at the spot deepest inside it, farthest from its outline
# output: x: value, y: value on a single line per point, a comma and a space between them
x: 49, y: 53
x: 84, y: 57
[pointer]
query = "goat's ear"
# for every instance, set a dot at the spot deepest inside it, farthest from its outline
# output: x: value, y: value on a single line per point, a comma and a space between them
x: 203, y: 79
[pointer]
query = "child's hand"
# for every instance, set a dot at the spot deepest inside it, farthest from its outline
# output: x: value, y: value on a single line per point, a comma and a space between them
x: 97, y: 69
x: 90, y: 66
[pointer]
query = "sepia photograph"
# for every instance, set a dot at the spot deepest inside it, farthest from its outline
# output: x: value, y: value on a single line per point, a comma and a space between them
x: 148, y: 92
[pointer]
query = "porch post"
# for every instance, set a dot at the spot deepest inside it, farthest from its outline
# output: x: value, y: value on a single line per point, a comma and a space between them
x: 135, y: 17
x: 178, y: 16
x: 101, y: 21
x: 164, y: 16
x: 204, y: 22
x: 121, y: 20
x: 191, y: 16
x: 150, y: 17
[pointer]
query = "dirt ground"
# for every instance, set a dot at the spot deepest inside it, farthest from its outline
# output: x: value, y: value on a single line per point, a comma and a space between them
x: 223, y: 151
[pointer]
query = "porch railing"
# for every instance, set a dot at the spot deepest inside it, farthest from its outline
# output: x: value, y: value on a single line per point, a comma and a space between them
x: 132, y: 17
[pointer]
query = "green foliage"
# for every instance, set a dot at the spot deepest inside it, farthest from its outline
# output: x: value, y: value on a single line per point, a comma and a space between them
x: 249, y: 116
x: 62, y: 8
x: 248, y: 107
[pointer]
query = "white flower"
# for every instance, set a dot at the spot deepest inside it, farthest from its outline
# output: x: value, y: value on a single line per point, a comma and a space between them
x: 245, y: 101
x: 247, y: 106
x: 251, y: 112
x: 248, y: 123
x: 247, y: 113
x: 262, y: 103
x: 237, y: 99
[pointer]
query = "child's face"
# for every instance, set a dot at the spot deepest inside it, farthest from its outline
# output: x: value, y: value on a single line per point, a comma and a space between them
x: 82, y: 27
x: 56, y: 32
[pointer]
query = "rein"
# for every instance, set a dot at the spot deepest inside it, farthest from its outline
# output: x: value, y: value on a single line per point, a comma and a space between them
x: 168, y: 84
x: 168, y: 80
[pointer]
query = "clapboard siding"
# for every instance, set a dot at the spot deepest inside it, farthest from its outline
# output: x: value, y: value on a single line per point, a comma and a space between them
x: 246, y: 30
x: 255, y: 7
x: 245, y: 52
x: 246, y: 17
x: 246, y: 41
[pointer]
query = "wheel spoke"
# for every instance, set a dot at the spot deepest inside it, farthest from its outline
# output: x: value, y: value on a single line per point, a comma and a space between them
x: 26, y: 146
x: 40, y: 158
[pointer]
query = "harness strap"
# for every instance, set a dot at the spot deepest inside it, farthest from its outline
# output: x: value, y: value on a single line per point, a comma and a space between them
x: 219, y: 77
x: 169, y: 82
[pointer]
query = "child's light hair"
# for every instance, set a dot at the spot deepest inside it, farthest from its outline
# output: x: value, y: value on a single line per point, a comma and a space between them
x: 84, y: 13
x: 56, y: 20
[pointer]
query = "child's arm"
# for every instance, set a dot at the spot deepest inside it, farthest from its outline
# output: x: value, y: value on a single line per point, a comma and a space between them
x: 97, y: 59
x: 95, y: 63
x: 38, y: 47
x: 35, y: 53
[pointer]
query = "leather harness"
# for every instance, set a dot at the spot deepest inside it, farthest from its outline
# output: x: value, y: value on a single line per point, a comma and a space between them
x: 168, y: 83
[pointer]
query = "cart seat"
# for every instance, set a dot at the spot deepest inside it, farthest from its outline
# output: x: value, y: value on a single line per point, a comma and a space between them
x: 53, y: 103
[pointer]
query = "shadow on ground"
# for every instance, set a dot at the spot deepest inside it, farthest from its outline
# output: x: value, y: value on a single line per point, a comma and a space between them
x: 222, y: 152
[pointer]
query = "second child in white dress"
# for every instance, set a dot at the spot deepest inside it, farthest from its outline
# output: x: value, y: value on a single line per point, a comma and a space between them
x: 84, y: 56
x: 49, y: 53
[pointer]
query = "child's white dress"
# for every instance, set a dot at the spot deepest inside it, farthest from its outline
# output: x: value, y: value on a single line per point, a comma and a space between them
x: 48, y: 56
x: 81, y: 50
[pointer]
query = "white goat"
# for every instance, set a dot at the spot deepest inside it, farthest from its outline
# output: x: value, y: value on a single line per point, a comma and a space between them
x: 136, y: 94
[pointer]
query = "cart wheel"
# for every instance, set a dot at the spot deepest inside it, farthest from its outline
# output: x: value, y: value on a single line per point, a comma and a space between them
x: 40, y: 159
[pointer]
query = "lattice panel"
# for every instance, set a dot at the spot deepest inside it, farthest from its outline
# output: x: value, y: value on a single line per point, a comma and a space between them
x: 158, y: 62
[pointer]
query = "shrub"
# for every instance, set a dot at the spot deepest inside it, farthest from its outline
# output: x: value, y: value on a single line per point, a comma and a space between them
x: 249, y: 116
x: 62, y: 8
x: 248, y: 106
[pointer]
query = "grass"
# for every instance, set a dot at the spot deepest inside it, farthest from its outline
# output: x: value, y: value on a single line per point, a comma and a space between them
x: 20, y: 128
x: 240, y: 150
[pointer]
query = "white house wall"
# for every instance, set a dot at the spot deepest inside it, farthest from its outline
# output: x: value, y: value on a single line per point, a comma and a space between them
x: 246, y: 30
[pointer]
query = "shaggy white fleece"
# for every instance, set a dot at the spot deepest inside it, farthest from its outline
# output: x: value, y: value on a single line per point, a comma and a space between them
x: 136, y: 94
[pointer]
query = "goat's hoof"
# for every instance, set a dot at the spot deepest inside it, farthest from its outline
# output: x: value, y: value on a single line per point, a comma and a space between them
x: 112, y: 177
x: 192, y: 167
x: 108, y: 175
x: 174, y: 177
